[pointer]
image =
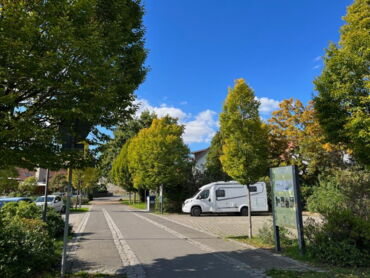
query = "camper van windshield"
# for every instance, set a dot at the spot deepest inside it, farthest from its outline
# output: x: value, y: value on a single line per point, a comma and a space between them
x: 195, y: 194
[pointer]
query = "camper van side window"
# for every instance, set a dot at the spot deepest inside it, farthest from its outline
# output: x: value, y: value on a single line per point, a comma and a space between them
x: 253, y: 188
x: 220, y: 193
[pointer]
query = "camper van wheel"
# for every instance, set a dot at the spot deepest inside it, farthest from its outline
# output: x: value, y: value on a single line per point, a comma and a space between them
x: 244, y: 211
x: 196, y: 211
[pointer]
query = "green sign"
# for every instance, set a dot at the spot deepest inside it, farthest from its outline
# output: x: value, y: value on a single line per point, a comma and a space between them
x: 283, y: 186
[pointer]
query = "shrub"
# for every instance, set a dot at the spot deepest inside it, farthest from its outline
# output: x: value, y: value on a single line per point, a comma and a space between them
x: 20, y: 210
x: 74, y: 200
x: 55, y: 223
x: 342, y: 190
x: 25, y: 247
x: 343, y: 240
x: 266, y: 234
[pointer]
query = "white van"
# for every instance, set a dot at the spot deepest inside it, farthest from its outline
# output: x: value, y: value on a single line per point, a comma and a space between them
x: 224, y: 197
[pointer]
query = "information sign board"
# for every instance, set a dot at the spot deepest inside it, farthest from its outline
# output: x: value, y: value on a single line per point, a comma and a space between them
x: 284, y: 202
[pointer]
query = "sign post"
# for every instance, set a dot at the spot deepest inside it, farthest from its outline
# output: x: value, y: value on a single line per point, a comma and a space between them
x: 161, y: 197
x: 287, y: 210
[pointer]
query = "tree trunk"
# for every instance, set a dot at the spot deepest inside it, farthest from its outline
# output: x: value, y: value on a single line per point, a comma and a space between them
x: 134, y: 197
x: 249, y: 213
x: 80, y: 199
x: 129, y: 197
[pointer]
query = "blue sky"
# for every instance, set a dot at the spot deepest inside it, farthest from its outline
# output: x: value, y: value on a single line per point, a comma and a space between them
x: 197, y: 48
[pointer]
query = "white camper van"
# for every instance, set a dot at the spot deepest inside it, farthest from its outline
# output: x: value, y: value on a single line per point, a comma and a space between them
x: 224, y: 197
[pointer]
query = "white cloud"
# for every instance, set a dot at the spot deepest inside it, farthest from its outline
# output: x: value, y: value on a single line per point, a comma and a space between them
x: 161, y: 111
x: 318, y: 58
x: 198, y: 129
x: 268, y: 105
x: 317, y: 67
x: 202, y: 128
x: 183, y: 102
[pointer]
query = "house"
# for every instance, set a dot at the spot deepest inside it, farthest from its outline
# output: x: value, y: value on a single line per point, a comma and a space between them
x: 200, y: 158
x: 39, y: 174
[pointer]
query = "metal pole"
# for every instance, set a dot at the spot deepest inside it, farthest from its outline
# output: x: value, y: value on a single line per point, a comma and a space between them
x: 46, y: 196
x: 276, y: 228
x: 298, y: 209
x: 66, y: 224
x: 161, y: 196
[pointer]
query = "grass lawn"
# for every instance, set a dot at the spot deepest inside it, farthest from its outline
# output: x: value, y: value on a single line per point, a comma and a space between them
x: 78, y: 210
x: 293, y: 252
x: 331, y: 273
x: 138, y: 205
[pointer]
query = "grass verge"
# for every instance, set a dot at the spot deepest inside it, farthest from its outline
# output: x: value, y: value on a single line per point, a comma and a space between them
x: 139, y: 205
x: 78, y: 210
x: 292, y: 251
x: 332, y: 273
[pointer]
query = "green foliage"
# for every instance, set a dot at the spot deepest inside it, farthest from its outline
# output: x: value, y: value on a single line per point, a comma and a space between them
x: 343, y: 240
x: 58, y: 183
x: 266, y: 235
x: 245, y: 144
x: 158, y: 156
x: 344, y: 237
x: 214, y: 171
x: 8, y: 183
x: 343, y: 100
x: 28, y: 187
x: 125, y: 131
x: 85, y: 178
x: 342, y: 190
x: 27, y: 243
x: 25, y: 248
x: 120, y: 169
x: 62, y: 61
x: 25, y: 210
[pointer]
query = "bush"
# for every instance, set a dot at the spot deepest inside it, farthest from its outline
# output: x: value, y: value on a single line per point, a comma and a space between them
x: 342, y: 190
x: 26, y: 247
x: 343, y: 240
x: 55, y: 223
x: 24, y: 210
x: 74, y: 200
x: 266, y: 234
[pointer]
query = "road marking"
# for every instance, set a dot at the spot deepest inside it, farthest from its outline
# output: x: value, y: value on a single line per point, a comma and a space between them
x: 128, y: 257
x: 235, y: 263
x: 299, y: 265
x: 74, y: 243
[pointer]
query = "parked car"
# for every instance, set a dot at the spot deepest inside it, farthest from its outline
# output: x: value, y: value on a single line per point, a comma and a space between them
x: 53, y: 201
x: 3, y: 201
x: 222, y: 197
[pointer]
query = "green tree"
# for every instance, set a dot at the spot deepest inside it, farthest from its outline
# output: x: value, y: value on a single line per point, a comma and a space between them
x: 58, y: 183
x: 214, y: 171
x: 125, y: 131
x: 65, y: 65
x: 8, y: 182
x: 120, y: 172
x: 83, y: 180
x: 158, y: 156
x: 343, y: 102
x: 28, y: 187
x: 245, y: 145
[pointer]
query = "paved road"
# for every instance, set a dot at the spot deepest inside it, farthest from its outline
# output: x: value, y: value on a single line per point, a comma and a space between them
x: 116, y: 239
